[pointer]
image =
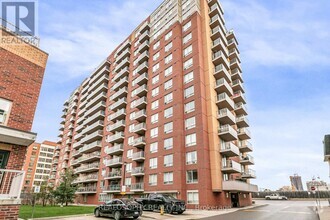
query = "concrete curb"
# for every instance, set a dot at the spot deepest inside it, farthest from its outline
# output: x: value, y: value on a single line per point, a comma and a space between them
x: 62, y: 217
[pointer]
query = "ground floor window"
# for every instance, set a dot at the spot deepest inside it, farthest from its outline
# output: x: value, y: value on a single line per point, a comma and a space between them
x: 105, y: 197
x: 192, y: 197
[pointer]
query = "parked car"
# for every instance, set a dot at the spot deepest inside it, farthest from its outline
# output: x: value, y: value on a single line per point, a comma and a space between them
x: 276, y: 197
x: 155, y: 201
x: 119, y: 208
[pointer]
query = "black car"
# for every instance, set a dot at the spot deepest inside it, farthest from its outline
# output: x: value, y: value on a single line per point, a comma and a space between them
x: 119, y: 208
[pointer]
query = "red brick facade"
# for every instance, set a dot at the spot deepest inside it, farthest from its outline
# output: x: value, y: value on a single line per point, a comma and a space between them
x: 9, y: 212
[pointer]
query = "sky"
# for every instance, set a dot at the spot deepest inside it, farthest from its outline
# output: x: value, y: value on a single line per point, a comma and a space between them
x: 284, y: 47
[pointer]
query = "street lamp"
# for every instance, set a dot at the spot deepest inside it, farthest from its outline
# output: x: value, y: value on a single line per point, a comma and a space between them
x: 123, y: 187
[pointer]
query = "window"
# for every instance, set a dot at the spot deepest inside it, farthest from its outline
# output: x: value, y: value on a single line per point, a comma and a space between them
x: 156, y: 56
x: 168, y: 127
x: 189, y: 92
x: 155, y: 67
x: 188, y: 77
x: 136, y: 43
x: 168, y: 46
x: 153, y: 163
x: 192, y: 176
x: 154, y: 105
x: 186, y: 26
x: 190, y: 123
x: 154, y: 132
x: 130, y: 140
x: 168, y: 58
x: 189, y: 107
x: 128, y: 182
x: 192, y: 197
x: 168, y: 71
x: 168, y: 35
x: 190, y: 139
x: 168, y: 84
x: 168, y: 143
x: 156, y: 45
x: 152, y: 179
x: 168, y: 178
x: 187, y: 51
x: 155, y: 79
x: 168, y: 160
x: 168, y: 98
x: 154, y: 118
x: 191, y: 157
x: 187, y: 38
x: 131, y: 128
x: 168, y: 112
x: 5, y: 107
x: 128, y: 167
x: 188, y: 64
x: 155, y: 92
x: 135, y: 62
x: 129, y: 153
x: 154, y: 147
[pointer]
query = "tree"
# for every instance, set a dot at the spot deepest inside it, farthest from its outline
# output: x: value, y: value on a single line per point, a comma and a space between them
x: 65, y: 192
x: 44, y: 193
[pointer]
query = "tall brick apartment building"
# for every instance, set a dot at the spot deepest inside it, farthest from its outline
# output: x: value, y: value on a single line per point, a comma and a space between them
x: 165, y: 112
x: 22, y: 68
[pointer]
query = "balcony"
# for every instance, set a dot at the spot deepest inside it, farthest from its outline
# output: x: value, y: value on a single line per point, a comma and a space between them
x: 240, y: 109
x: 139, y: 116
x: 242, y: 121
x: 88, y: 168
x: 86, y: 179
x: 218, y: 32
x: 86, y: 190
x: 218, y: 45
x: 95, y: 156
x: 123, y: 64
x: 237, y: 85
x: 92, y: 119
x: 227, y: 133
x: 138, y: 156
x: 119, y: 94
x: 115, y: 138
x: 138, y: 171
x: 143, y: 57
x: 140, y: 128
x: 95, y: 108
x: 117, y: 149
x: 243, y: 134
x: 226, y: 117
x: 96, y: 89
x: 122, y: 74
x: 230, y: 166
x: 229, y: 149
x: 79, y: 128
x: 112, y: 189
x: 120, y: 114
x: 235, y: 64
x: 216, y: 20
x: 57, y: 154
x: 100, y: 97
x: 139, y: 142
x: 97, y: 135
x: 232, y: 43
x: 141, y: 91
x: 239, y: 97
x: 118, y: 126
x: 77, y: 145
x: 143, y: 67
x: 221, y: 72
x: 91, y: 147
x: 137, y: 187
x: 249, y: 174
x: 224, y: 101
x: 215, y: 9
x: 115, y: 162
x: 144, y: 46
x: 245, y: 146
x: 126, y: 53
x: 145, y: 36
x: 98, y: 125
x: 101, y: 71
x: 113, y: 175
x: 140, y: 103
x: 11, y: 184
x: 221, y: 86
x: 220, y: 58
x: 234, y: 53
x: 55, y: 162
x: 238, y: 186
x: 144, y: 27
x: 236, y: 74
x: 121, y: 103
x: 246, y: 160
x: 141, y: 80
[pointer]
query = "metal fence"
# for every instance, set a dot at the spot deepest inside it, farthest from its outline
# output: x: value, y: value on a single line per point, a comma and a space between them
x: 11, y: 183
x: 296, y: 194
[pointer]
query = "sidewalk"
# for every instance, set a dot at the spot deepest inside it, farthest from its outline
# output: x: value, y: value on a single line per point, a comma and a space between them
x: 324, y: 213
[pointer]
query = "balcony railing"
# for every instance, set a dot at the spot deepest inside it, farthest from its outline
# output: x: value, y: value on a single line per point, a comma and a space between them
x: 137, y: 187
x: 11, y: 183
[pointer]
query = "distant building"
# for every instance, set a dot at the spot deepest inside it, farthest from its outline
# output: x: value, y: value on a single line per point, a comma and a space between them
x: 296, y: 183
x: 319, y: 185
x: 285, y: 188
x: 38, y: 163
x: 326, y: 144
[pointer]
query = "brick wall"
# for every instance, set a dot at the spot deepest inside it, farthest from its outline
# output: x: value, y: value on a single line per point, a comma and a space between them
x: 9, y: 212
